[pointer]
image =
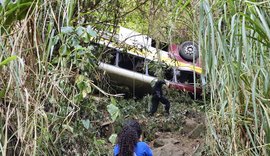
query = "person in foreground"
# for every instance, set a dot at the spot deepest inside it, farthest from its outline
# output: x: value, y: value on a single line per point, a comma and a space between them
x: 157, y: 96
x: 128, y: 141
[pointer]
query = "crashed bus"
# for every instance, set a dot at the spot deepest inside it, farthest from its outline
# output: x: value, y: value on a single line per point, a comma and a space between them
x: 131, y: 59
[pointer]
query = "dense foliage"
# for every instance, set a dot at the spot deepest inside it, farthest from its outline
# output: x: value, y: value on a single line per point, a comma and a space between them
x: 49, y: 76
x: 234, y: 39
x: 54, y: 101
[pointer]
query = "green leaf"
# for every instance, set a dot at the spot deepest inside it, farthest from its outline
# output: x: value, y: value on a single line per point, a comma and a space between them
x: 63, y: 50
x: 81, y: 85
x: 88, y: 88
x: 113, y: 101
x: 80, y: 82
x: 85, y: 38
x: 6, y: 61
x: 74, y: 41
x: 15, y: 11
x: 90, y: 31
x: 86, y: 123
x: 100, y: 142
x: 78, y: 98
x: 55, y: 39
x: 67, y: 30
x: 114, y: 111
x: 112, y: 138
x: 84, y: 93
x: 80, y: 30
x: 2, y: 93
x: 78, y: 48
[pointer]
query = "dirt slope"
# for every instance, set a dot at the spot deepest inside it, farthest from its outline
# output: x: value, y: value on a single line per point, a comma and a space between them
x: 188, y: 140
x: 169, y: 144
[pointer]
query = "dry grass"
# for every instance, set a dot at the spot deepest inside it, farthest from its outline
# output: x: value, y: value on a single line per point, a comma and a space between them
x: 45, y: 94
x: 235, y: 44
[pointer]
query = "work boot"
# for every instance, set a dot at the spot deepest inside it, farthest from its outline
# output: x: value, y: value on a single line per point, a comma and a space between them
x: 167, y: 113
x: 150, y: 114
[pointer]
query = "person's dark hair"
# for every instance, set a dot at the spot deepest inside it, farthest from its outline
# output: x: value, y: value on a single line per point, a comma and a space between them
x: 127, y: 140
x: 134, y: 124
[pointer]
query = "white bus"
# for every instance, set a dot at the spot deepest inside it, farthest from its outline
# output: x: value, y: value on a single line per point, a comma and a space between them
x: 131, y: 59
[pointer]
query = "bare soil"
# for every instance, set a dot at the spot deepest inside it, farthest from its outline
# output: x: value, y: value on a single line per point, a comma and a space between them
x: 177, y: 145
x: 187, y: 141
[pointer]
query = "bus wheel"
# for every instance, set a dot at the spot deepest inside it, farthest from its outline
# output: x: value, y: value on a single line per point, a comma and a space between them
x: 188, y: 50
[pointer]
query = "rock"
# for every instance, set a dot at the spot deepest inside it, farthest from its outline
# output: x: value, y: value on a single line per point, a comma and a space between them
x: 158, y: 143
x: 189, y: 126
x: 157, y: 134
x: 168, y: 150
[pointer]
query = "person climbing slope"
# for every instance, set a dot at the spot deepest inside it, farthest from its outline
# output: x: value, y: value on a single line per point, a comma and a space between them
x: 157, y: 96
x: 128, y: 141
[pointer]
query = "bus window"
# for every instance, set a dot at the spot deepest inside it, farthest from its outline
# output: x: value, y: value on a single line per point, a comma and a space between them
x: 139, y: 65
x: 152, y: 68
x: 168, y: 74
x: 125, y: 61
x: 187, y: 77
x: 106, y: 54
x: 162, y: 45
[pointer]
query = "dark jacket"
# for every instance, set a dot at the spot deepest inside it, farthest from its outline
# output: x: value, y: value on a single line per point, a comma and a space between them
x: 157, y: 89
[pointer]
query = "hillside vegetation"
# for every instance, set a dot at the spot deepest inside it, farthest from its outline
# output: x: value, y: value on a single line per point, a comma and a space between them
x: 54, y: 100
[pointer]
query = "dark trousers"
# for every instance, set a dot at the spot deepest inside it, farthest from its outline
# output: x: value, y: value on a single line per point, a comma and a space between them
x: 155, y: 102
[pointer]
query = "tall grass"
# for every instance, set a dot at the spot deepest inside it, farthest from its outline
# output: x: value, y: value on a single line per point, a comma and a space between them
x: 235, y: 43
x: 45, y: 93
x: 47, y: 68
